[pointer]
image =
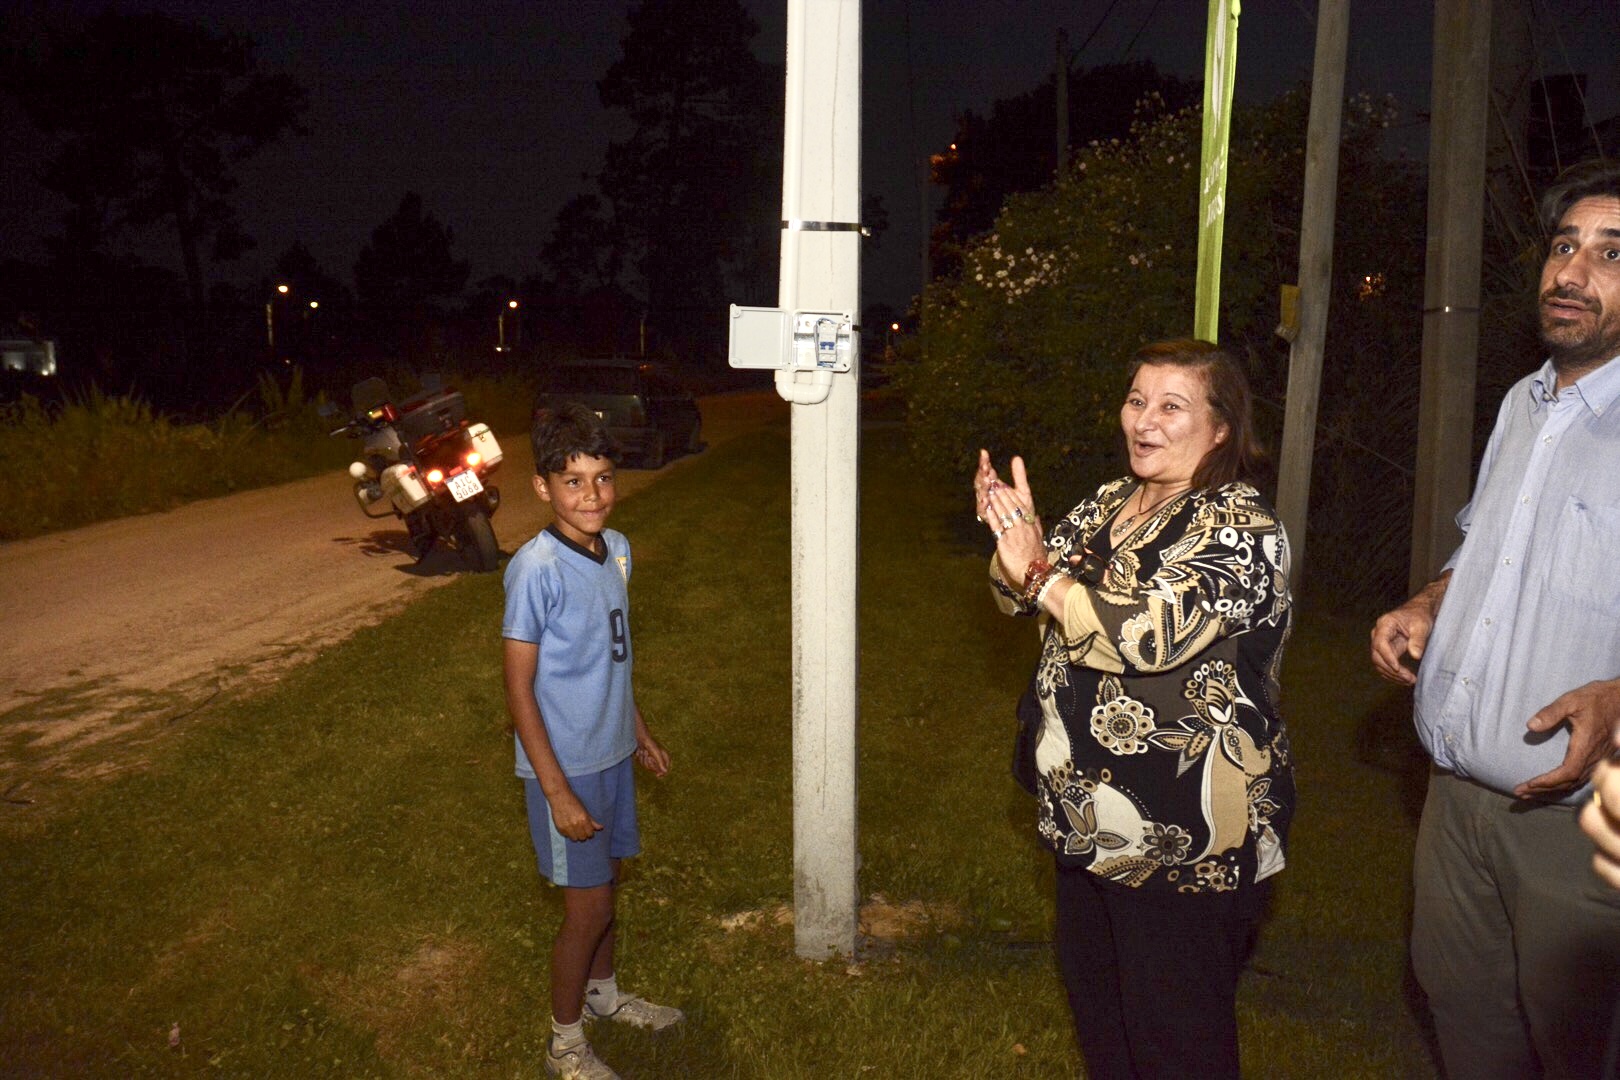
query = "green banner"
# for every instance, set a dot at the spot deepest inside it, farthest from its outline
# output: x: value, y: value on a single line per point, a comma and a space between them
x: 1220, y: 70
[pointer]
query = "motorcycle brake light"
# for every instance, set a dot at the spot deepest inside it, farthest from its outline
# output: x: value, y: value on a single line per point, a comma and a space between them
x: 435, y: 476
x: 473, y: 459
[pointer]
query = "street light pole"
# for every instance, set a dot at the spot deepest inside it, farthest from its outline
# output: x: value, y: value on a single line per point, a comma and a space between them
x: 500, y: 328
x: 270, y: 320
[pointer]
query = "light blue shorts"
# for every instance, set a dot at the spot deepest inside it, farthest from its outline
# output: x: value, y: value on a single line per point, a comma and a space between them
x: 609, y: 796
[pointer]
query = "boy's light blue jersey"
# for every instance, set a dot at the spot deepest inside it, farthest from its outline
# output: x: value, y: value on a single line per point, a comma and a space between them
x: 576, y: 607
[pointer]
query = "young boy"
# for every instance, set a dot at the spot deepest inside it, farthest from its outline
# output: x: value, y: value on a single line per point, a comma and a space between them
x: 567, y: 662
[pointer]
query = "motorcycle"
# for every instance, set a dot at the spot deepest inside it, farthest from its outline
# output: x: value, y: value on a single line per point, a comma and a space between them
x: 424, y: 463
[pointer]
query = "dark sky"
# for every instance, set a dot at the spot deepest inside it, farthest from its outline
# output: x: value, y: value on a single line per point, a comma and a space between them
x: 488, y: 108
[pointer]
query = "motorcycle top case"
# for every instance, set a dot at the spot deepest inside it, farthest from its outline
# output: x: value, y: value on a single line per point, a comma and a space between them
x: 483, y: 441
x: 436, y: 414
x: 404, y: 488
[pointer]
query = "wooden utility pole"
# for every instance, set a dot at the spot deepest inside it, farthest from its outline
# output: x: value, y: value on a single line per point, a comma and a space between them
x: 1315, y: 273
x: 1458, y: 104
x: 1060, y: 90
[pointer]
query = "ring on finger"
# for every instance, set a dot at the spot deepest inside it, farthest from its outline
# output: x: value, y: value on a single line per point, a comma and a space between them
x: 1018, y: 512
x: 1006, y: 523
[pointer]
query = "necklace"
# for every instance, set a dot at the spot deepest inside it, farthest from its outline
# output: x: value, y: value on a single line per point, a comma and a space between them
x: 1120, y: 528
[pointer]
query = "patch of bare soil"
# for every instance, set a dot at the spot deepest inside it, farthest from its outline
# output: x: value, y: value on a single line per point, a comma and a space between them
x: 880, y: 919
x: 441, y: 980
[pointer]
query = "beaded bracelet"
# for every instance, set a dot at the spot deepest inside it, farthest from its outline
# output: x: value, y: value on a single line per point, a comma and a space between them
x: 1036, y: 568
x: 1035, y: 591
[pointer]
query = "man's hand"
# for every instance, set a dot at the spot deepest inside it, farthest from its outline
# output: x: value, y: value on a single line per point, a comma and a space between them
x: 1592, y: 713
x: 1601, y: 821
x: 569, y: 816
x: 1404, y: 633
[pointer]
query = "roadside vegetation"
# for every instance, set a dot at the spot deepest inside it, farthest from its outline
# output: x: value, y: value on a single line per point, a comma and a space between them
x: 1024, y: 351
x: 333, y: 878
x: 94, y: 457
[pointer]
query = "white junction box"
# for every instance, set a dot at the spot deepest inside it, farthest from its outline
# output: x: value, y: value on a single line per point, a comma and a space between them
x: 778, y: 340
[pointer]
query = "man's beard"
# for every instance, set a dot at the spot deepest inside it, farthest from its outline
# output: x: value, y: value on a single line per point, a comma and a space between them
x: 1574, y: 349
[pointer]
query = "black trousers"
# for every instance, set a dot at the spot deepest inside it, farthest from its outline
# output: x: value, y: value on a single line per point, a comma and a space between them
x: 1152, y: 980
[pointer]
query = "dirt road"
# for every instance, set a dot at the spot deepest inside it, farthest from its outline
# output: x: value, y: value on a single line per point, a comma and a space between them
x: 109, y: 631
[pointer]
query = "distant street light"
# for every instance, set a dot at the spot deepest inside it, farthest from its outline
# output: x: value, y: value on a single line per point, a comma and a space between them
x: 500, y: 328
x: 270, y: 320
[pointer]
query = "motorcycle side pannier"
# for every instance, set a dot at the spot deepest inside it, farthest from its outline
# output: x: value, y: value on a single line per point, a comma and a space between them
x: 484, y: 442
x: 404, y: 488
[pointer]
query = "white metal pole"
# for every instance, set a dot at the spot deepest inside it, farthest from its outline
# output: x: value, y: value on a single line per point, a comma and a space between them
x: 820, y: 271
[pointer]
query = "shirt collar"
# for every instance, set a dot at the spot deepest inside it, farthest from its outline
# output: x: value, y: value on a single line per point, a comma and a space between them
x: 1599, y: 389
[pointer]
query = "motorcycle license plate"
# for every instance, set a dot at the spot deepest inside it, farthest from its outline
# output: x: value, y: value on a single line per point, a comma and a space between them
x: 464, y: 485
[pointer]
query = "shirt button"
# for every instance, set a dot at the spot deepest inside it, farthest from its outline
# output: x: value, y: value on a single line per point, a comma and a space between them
x: 1467, y: 681
x: 1546, y: 438
x: 1487, y: 622
x: 1525, y: 499
x: 1507, y: 562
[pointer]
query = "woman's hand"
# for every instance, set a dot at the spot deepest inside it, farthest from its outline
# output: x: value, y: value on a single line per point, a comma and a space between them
x: 1010, y: 514
x: 984, y: 479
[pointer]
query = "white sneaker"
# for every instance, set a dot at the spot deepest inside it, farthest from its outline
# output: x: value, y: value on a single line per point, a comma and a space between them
x: 637, y: 1012
x: 577, y: 1062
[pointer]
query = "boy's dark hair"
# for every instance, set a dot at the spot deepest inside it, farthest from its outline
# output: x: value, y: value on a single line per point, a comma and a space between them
x: 1589, y: 179
x: 571, y: 429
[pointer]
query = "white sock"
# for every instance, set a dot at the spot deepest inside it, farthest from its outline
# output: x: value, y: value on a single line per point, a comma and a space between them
x: 567, y: 1035
x: 603, y: 994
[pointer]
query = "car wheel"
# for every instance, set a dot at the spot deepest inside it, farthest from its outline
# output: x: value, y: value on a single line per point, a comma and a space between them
x: 653, y: 456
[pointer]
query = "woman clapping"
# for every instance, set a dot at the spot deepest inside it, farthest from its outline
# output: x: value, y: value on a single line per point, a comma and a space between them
x: 1160, y: 762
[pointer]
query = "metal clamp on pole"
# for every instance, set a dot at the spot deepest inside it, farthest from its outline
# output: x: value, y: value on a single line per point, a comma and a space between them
x: 801, y: 225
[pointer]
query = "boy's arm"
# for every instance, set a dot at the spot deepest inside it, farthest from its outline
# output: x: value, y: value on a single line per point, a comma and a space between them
x: 520, y: 661
x: 653, y: 757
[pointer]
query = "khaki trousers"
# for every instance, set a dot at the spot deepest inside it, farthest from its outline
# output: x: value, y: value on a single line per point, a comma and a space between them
x: 1514, y: 938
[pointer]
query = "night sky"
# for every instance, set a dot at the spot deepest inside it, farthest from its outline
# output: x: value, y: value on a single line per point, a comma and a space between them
x: 488, y: 108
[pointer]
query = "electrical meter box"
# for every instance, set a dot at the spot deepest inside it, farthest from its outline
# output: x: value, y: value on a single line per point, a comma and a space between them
x: 778, y: 340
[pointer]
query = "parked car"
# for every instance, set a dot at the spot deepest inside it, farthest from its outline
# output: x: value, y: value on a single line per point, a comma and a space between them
x: 646, y: 409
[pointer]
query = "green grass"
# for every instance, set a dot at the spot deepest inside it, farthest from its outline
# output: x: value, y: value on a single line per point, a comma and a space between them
x: 334, y: 878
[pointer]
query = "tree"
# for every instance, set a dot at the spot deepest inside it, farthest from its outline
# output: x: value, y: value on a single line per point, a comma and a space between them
x: 585, y: 248
x: 405, y: 275
x: 151, y: 115
x: 1012, y: 150
x: 1025, y: 351
x: 694, y: 187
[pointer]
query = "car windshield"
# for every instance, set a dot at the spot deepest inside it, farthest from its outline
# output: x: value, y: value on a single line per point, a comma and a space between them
x: 592, y: 380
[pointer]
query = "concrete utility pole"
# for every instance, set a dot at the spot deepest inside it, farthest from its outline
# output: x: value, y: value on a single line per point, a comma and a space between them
x: 1315, y: 273
x: 820, y: 271
x: 1458, y: 105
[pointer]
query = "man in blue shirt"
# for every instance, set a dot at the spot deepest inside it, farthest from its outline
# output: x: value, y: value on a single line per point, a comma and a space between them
x: 1516, y: 650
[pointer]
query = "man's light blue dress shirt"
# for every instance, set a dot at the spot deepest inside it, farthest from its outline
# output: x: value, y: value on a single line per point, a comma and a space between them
x: 1533, y: 606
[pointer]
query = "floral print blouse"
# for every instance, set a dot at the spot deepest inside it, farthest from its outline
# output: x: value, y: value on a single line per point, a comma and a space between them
x: 1162, y: 762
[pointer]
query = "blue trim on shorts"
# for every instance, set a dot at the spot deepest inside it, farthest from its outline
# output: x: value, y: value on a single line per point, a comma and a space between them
x: 609, y: 796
